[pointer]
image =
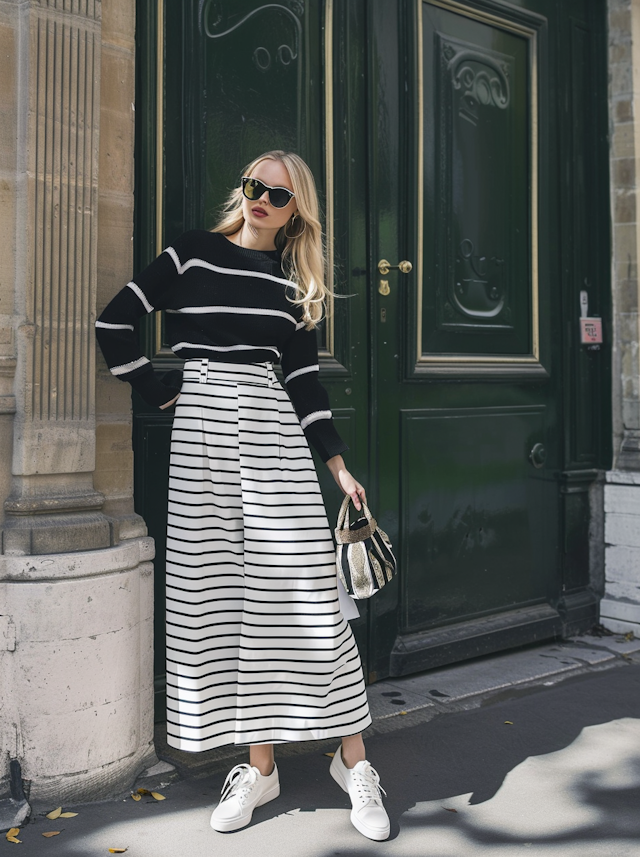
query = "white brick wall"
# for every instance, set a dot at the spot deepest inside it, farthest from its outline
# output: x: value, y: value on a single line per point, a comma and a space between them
x: 620, y: 608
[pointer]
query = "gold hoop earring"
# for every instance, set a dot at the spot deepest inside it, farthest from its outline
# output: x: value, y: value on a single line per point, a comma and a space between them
x: 293, y: 220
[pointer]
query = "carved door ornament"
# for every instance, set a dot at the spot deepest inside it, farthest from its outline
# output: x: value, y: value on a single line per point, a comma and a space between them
x: 479, y: 284
x: 481, y: 80
x: 214, y: 22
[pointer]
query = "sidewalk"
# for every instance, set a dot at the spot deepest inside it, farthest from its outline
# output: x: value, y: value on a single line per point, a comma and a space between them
x: 533, y: 752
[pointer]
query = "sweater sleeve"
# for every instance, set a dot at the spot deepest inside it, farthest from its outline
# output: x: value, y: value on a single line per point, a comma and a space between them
x: 310, y: 400
x: 116, y: 328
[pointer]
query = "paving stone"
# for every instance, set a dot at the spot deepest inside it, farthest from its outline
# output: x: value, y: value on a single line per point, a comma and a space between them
x: 451, y: 684
x: 589, y: 654
x: 386, y: 700
x: 616, y: 644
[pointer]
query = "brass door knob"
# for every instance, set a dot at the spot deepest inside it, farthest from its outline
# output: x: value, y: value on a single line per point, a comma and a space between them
x: 384, y: 267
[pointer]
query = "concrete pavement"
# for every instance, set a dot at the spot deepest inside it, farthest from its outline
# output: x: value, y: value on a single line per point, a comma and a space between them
x: 537, y: 751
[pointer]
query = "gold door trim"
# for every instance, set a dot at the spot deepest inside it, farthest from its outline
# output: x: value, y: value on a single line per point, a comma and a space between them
x: 531, y: 35
x: 328, y: 168
x: 328, y: 164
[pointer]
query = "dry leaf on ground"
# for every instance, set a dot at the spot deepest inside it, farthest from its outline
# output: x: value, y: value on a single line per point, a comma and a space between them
x: 11, y: 835
x: 144, y: 792
x: 508, y: 722
x: 402, y: 712
x: 117, y: 850
x: 136, y: 796
x: 629, y: 636
x: 449, y: 809
x: 55, y: 813
x: 330, y: 755
x: 68, y: 814
x: 158, y: 796
x: 51, y: 833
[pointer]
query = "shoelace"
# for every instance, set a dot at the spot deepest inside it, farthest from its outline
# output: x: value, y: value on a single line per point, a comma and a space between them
x: 240, y: 781
x: 369, y: 784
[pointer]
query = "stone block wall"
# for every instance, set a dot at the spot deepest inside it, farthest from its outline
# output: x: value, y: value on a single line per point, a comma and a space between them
x: 620, y: 608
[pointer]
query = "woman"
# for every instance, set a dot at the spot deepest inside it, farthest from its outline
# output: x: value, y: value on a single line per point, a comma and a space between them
x: 258, y: 649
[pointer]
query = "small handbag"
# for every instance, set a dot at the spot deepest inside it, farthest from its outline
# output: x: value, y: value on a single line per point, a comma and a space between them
x: 364, y: 558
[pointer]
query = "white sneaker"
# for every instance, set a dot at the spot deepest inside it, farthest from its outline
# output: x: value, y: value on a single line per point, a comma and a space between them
x: 363, y: 786
x: 244, y: 789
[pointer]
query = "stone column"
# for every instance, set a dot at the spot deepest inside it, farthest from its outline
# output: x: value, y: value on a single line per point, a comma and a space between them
x: 620, y: 608
x: 76, y: 608
x: 53, y: 506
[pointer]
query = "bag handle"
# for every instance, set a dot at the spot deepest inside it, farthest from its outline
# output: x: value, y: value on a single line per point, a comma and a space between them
x: 344, y: 535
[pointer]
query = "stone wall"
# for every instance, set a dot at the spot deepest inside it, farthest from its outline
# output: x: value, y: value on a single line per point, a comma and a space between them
x: 620, y: 608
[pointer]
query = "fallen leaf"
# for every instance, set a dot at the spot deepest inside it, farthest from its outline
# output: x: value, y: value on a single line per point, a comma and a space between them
x: 51, y: 833
x: 449, y: 809
x: 629, y: 636
x: 158, y: 796
x: 13, y: 839
x: 402, y: 712
x: 68, y: 814
x: 508, y: 722
x: 117, y: 850
x: 144, y: 792
x: 55, y: 813
x: 13, y: 832
x: 330, y: 755
x: 136, y: 797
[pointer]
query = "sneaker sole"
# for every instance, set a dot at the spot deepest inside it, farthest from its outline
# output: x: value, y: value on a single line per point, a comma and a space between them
x: 377, y: 835
x: 222, y: 826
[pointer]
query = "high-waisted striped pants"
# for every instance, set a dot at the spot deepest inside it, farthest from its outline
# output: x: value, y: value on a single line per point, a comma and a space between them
x: 258, y: 650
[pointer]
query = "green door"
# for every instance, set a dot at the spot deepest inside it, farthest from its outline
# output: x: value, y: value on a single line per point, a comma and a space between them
x: 487, y: 167
x: 453, y: 136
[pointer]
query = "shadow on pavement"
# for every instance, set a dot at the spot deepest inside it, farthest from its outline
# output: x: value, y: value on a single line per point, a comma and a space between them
x: 562, y: 779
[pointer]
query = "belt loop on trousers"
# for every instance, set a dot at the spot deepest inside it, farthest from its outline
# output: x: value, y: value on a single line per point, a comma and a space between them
x: 204, y: 367
x: 271, y: 375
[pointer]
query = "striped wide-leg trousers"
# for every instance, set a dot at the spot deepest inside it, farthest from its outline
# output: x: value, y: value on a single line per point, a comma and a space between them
x: 258, y: 650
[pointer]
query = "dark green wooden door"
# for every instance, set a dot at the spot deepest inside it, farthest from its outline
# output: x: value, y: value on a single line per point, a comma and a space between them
x: 452, y: 136
x: 482, y: 171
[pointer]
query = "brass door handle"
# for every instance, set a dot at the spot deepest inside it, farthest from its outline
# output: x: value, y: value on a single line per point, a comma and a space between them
x: 384, y: 267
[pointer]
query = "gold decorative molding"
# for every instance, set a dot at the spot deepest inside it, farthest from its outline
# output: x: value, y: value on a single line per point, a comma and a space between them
x: 531, y: 35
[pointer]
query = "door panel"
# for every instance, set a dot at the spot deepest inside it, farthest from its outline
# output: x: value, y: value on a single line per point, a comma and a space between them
x: 469, y: 528
x: 480, y: 294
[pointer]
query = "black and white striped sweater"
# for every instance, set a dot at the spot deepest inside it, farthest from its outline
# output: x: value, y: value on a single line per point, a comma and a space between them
x: 226, y: 303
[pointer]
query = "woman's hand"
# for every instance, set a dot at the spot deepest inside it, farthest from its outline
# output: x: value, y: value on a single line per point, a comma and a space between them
x: 345, y: 480
x: 168, y: 404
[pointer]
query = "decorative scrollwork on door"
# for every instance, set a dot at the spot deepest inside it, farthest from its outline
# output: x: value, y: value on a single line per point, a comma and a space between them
x: 212, y: 21
x: 480, y: 79
x: 479, y: 287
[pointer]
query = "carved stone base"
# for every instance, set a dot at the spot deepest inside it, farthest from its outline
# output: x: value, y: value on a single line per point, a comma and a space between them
x: 629, y: 457
x: 33, y: 535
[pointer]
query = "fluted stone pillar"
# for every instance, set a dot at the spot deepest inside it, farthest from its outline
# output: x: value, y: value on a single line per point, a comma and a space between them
x: 53, y: 506
x: 76, y: 606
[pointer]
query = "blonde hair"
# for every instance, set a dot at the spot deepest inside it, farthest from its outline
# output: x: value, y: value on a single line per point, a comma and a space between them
x: 303, y: 256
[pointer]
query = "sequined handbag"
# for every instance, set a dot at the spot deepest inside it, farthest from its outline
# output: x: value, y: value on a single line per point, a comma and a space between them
x: 364, y: 558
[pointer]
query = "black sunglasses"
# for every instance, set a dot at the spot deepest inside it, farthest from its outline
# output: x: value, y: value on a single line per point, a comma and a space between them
x: 278, y: 196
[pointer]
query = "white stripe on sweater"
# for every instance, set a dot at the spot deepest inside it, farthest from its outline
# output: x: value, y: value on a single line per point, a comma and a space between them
x: 180, y: 345
x: 138, y: 291
x: 314, y: 368
x: 205, y: 310
x: 110, y: 326
x: 129, y: 367
x: 316, y: 415
x: 234, y: 272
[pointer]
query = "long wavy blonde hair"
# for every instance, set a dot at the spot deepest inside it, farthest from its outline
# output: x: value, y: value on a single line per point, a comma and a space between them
x: 303, y: 256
